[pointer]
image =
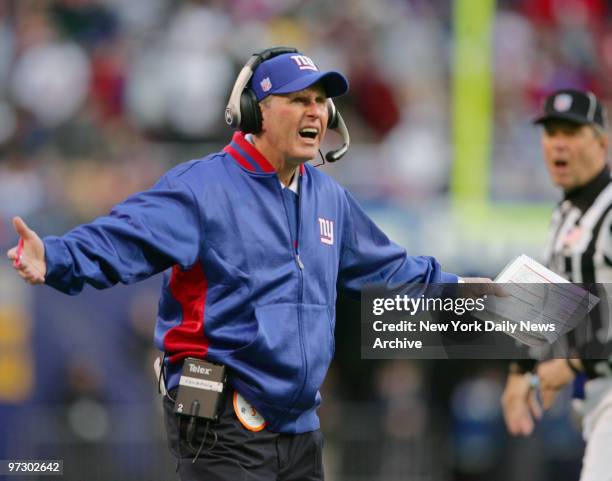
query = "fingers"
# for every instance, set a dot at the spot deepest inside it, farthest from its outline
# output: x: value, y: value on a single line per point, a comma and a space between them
x: 480, y: 286
x: 499, y: 291
x: 22, y: 228
x: 534, y: 405
x: 518, y: 413
x: 525, y: 426
x: 19, y: 253
x: 518, y: 420
x: 28, y: 274
x: 476, y: 280
x: 491, y: 287
x: 24, y: 266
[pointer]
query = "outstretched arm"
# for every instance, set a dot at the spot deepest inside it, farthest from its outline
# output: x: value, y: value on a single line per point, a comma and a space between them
x: 143, y: 235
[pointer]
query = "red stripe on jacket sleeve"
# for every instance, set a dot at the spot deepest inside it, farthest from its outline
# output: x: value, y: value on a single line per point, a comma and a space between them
x: 188, y: 339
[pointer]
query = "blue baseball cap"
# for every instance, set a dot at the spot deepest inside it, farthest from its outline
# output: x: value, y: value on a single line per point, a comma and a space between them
x: 292, y: 72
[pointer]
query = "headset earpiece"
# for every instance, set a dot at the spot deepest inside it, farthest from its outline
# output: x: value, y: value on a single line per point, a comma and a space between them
x: 250, y: 113
x: 332, y: 115
x: 243, y: 102
x: 336, y: 122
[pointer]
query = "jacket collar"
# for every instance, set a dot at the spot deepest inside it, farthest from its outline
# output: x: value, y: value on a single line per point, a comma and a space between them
x: 245, y: 154
x: 584, y: 196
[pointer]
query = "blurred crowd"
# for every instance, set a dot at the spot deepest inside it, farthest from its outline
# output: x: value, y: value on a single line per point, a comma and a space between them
x: 99, y: 97
x: 114, y: 91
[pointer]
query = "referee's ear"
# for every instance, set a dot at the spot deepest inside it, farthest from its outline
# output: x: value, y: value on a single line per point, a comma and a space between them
x: 602, y: 137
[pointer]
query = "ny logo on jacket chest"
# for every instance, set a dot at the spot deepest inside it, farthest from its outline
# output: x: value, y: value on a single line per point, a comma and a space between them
x: 326, y: 228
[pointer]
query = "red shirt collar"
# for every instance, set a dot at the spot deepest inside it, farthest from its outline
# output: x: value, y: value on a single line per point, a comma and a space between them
x: 245, y: 153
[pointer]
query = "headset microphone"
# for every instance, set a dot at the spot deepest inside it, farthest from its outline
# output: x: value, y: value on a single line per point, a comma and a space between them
x: 339, y: 126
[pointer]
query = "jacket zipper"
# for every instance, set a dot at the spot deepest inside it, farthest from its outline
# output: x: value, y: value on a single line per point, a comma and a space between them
x: 300, y: 285
x: 295, y: 252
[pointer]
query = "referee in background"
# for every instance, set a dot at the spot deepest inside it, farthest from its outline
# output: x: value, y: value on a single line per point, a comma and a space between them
x: 575, y: 145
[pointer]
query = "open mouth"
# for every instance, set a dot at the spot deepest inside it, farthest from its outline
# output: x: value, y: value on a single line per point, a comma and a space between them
x: 309, y: 133
x: 560, y: 163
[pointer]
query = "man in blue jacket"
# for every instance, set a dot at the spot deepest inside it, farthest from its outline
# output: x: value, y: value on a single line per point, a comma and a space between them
x: 255, y: 243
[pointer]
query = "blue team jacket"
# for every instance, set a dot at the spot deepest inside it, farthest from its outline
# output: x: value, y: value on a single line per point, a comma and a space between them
x: 240, y: 289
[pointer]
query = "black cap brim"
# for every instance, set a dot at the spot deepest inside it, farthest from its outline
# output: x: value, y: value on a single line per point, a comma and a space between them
x: 577, y: 119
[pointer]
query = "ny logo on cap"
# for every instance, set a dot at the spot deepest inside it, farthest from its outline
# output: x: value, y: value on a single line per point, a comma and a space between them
x: 563, y: 102
x: 304, y: 62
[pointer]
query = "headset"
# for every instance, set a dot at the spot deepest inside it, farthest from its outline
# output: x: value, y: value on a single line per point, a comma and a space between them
x: 243, y: 112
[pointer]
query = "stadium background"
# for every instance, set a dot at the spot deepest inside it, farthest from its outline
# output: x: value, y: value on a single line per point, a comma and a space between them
x: 99, y: 97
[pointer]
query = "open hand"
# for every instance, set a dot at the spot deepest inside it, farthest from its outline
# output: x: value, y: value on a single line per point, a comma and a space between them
x: 29, y: 255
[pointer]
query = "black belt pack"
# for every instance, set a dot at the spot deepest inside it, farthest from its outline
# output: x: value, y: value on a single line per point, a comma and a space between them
x: 201, y: 389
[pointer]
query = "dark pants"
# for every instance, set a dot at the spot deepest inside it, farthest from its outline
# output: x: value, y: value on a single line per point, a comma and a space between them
x: 242, y: 455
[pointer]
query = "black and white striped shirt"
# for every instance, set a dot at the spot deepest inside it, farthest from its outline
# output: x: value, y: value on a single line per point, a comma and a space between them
x: 579, y: 248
